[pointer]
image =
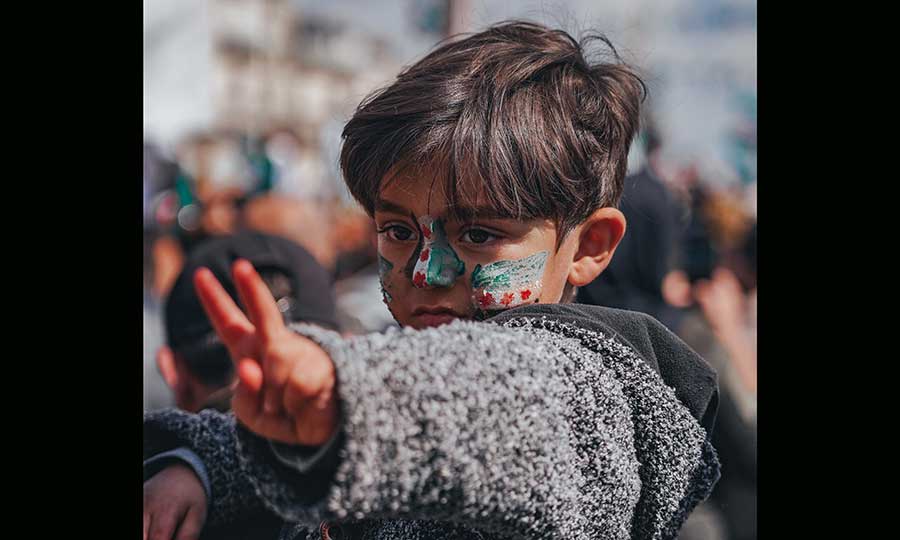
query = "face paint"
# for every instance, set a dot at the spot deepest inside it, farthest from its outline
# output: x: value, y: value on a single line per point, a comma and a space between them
x: 436, y: 264
x: 411, y: 263
x: 507, y: 284
x: 384, y: 270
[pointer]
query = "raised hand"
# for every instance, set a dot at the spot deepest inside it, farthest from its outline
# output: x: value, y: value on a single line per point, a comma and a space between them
x: 286, y: 383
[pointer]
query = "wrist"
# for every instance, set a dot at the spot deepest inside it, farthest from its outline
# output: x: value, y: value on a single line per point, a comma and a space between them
x: 179, y: 457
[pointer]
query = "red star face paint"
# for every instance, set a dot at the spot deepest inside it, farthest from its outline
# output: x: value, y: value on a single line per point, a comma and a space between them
x: 436, y: 263
x: 507, y: 284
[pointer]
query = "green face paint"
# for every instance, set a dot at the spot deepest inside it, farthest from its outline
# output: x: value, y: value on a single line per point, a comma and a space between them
x: 437, y: 265
x: 384, y: 277
x: 507, y: 284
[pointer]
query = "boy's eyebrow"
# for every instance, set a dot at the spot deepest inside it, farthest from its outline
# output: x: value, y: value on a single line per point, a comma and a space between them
x: 384, y: 205
x: 472, y: 213
x: 460, y: 213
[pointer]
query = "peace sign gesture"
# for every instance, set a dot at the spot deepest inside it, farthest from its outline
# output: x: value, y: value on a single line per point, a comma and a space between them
x: 286, y: 383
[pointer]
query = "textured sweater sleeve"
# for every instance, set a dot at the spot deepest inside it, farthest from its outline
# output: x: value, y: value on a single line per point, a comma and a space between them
x: 471, y: 424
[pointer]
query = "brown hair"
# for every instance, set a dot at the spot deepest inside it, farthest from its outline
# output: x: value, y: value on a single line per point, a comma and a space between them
x: 515, y: 112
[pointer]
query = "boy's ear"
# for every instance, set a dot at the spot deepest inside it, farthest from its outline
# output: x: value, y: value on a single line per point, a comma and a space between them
x: 165, y: 361
x: 174, y: 374
x: 598, y: 238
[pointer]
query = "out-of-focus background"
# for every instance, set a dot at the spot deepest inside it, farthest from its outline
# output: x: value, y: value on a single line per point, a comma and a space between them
x: 244, y: 102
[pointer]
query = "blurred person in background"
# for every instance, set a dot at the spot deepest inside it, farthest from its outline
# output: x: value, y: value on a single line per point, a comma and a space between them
x: 159, y: 175
x: 200, y: 195
x: 215, y: 176
x: 725, y: 296
x: 716, y: 286
x: 648, y: 251
x: 719, y: 254
x: 198, y: 370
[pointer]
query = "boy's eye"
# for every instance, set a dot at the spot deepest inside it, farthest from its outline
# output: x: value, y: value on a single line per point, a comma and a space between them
x: 477, y: 236
x: 398, y: 232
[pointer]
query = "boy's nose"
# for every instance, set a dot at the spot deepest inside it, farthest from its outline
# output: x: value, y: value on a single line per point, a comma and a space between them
x: 437, y: 264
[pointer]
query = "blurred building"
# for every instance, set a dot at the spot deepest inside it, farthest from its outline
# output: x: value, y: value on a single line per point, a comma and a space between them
x: 177, y: 70
x: 252, y: 65
x: 275, y: 67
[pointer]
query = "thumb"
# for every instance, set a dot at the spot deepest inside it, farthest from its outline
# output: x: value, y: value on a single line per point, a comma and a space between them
x: 192, y: 524
x: 250, y: 375
x: 247, y: 393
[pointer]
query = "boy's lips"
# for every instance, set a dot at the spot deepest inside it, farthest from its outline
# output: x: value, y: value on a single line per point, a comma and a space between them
x: 435, y: 315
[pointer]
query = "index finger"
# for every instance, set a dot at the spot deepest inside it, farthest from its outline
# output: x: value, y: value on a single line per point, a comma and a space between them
x: 261, y: 306
x: 226, y: 317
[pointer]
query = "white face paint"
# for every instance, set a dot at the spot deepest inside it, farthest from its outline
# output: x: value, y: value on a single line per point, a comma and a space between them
x: 436, y: 264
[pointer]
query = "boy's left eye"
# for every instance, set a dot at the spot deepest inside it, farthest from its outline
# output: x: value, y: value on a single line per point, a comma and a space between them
x: 477, y: 236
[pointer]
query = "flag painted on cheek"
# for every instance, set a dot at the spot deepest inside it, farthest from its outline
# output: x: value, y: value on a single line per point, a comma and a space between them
x: 507, y: 284
x: 436, y: 263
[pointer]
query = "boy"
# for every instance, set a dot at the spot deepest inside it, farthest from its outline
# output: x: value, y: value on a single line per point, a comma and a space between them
x: 492, y: 168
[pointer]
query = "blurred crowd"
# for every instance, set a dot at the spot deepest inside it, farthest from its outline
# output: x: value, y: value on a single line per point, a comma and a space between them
x: 219, y: 183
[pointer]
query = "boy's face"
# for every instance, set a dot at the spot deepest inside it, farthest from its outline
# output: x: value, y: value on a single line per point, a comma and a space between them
x: 435, y: 268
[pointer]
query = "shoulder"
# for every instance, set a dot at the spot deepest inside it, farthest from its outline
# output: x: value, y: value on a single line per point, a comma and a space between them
x: 639, y: 330
x: 693, y: 379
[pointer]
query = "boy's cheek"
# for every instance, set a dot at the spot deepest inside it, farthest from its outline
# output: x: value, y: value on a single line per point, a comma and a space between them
x: 509, y: 283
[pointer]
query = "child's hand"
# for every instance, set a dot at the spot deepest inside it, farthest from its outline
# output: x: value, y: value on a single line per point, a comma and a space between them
x: 174, y: 505
x: 286, y: 383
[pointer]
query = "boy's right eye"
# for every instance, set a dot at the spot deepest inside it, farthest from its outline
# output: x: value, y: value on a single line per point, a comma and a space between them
x: 398, y: 232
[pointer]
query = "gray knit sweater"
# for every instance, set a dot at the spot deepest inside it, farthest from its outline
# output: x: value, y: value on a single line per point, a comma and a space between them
x: 535, y: 428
